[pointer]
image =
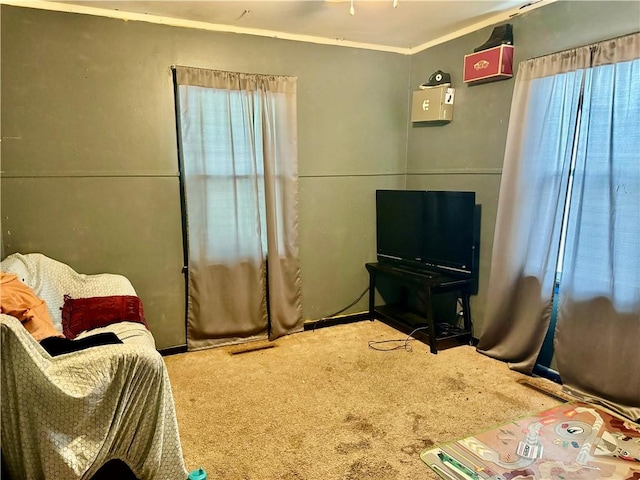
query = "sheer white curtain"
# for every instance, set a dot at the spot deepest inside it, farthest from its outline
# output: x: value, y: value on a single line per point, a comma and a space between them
x: 599, y: 316
x: 238, y: 149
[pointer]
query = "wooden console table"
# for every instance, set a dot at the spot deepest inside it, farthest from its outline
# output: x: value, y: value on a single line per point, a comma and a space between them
x: 402, y: 317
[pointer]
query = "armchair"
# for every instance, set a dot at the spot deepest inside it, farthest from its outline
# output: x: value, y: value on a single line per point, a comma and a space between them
x: 65, y: 417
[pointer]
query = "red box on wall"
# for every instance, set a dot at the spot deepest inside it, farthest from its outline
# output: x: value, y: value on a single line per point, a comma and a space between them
x: 489, y: 65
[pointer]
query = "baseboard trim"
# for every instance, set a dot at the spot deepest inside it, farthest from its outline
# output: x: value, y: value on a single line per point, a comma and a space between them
x: 309, y: 325
x: 173, y: 350
x: 330, y: 322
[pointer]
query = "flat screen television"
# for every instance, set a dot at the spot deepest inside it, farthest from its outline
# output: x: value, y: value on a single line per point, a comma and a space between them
x: 434, y: 230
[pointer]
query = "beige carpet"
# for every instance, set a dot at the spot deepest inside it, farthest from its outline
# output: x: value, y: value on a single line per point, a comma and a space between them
x: 322, y: 405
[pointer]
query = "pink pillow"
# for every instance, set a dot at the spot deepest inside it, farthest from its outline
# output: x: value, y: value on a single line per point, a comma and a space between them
x: 81, y: 314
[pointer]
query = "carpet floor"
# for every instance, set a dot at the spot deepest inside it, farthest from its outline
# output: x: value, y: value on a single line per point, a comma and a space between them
x: 322, y: 405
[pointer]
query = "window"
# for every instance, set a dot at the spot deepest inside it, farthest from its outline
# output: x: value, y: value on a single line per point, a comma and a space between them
x: 238, y: 160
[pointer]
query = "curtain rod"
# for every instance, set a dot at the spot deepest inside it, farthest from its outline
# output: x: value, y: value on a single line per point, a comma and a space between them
x: 593, y: 46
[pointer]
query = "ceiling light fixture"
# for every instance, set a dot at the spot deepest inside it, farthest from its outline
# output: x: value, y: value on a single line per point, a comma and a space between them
x: 352, y: 9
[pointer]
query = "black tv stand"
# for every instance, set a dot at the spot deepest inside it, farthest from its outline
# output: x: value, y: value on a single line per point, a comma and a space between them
x: 402, y: 317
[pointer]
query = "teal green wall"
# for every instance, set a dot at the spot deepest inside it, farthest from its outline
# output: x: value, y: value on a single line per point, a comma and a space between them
x: 468, y: 152
x: 89, y: 163
x: 89, y: 168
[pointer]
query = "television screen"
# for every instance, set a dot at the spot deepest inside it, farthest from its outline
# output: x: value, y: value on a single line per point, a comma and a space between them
x: 433, y: 229
x: 399, y: 224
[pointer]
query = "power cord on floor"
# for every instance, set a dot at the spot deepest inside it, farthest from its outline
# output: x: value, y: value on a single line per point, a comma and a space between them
x: 405, y: 345
x: 329, y: 317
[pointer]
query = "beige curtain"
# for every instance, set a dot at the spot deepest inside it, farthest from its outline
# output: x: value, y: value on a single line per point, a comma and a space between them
x: 597, y: 340
x: 536, y: 169
x: 238, y: 151
x: 598, y: 327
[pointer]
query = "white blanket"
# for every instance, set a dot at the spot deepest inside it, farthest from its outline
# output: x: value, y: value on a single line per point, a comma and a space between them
x: 64, y: 417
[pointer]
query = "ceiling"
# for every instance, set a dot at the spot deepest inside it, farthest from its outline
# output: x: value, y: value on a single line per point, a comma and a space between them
x: 411, y: 26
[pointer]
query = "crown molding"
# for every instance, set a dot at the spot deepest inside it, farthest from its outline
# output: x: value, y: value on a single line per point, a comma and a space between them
x: 214, y: 27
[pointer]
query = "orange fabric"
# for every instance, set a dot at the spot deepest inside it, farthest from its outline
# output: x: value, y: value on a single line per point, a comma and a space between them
x: 18, y: 300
